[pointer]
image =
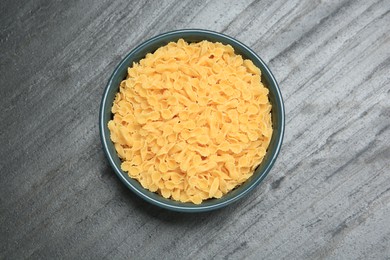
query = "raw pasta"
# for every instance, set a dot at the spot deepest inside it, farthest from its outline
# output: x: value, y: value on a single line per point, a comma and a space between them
x: 191, y: 121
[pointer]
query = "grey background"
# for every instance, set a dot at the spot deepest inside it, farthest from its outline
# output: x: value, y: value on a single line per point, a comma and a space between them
x: 328, y: 195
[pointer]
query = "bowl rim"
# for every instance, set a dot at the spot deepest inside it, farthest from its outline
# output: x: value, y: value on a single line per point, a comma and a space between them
x: 187, y: 208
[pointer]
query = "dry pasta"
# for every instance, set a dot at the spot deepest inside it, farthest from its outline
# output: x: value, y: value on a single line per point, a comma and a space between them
x: 191, y: 121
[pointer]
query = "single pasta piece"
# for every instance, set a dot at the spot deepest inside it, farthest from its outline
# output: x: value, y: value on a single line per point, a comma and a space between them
x: 191, y: 121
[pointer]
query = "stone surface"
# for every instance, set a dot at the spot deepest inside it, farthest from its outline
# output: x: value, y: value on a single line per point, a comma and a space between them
x: 328, y: 195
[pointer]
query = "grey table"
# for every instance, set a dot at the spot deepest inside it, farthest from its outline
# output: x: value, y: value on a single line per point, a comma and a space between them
x: 328, y: 195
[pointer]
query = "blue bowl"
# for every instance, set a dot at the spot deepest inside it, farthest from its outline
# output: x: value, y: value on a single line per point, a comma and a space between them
x: 193, y: 35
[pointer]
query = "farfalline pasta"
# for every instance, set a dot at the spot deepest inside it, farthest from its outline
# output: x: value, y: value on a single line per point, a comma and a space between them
x: 191, y: 121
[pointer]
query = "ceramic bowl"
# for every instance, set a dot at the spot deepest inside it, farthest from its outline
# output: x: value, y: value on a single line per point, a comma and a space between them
x: 192, y: 35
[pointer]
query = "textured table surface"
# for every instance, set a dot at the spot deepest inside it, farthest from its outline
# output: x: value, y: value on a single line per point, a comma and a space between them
x: 328, y: 195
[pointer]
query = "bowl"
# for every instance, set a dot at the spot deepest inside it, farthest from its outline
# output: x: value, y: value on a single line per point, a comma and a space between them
x: 192, y: 35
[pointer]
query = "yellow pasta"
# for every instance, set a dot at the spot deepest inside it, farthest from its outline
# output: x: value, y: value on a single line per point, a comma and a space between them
x: 191, y: 121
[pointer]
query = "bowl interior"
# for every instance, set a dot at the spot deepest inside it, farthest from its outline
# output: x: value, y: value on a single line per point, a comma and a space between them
x: 192, y: 36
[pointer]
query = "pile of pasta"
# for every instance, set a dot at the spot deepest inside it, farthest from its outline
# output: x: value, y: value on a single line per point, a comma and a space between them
x: 191, y: 121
